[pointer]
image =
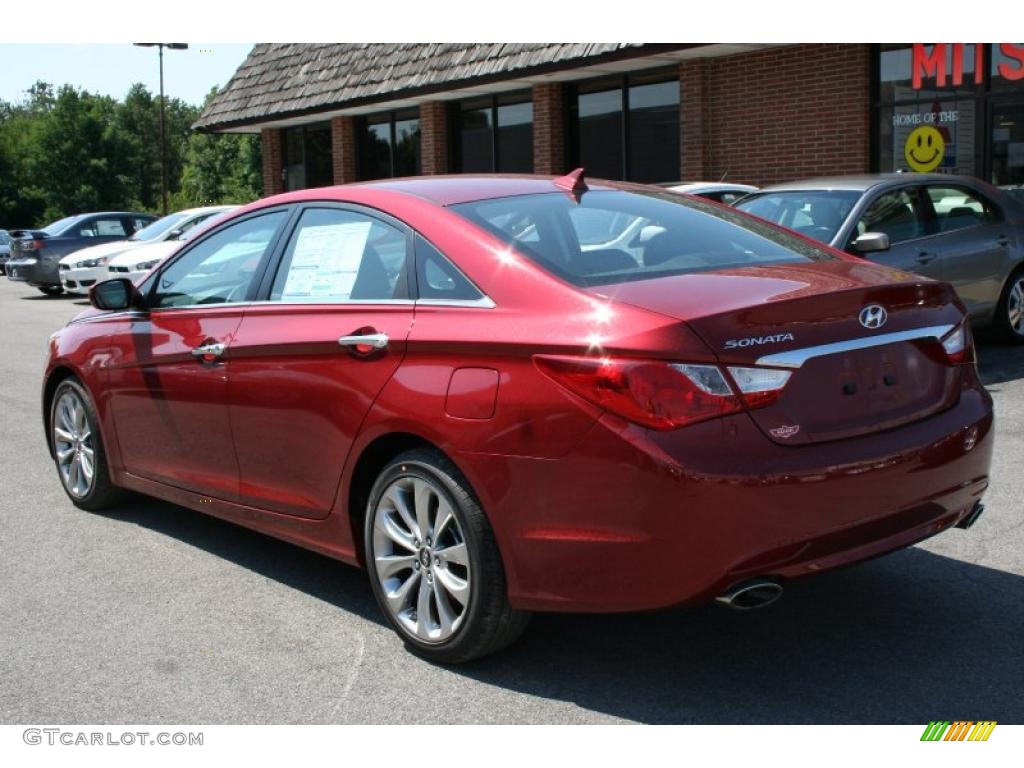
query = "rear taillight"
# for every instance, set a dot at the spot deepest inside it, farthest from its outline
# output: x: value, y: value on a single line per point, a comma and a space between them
x: 658, y: 394
x: 30, y: 245
x: 759, y: 386
x: 957, y: 344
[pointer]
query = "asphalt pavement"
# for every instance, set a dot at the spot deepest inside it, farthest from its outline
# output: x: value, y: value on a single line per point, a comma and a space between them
x: 158, y: 614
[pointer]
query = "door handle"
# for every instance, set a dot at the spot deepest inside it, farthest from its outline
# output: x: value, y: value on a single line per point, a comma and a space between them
x: 366, y: 341
x: 924, y: 257
x: 1002, y: 241
x: 209, y: 351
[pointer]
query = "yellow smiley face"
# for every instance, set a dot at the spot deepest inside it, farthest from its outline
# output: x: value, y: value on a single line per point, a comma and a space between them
x: 924, y: 149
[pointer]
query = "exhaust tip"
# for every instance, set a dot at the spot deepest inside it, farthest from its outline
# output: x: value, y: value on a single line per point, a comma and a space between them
x: 759, y: 593
x: 971, y: 517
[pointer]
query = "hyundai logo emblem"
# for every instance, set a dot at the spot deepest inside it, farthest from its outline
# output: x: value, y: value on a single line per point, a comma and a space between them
x: 873, y: 316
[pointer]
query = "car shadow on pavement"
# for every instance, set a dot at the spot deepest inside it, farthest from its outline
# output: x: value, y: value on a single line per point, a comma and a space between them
x: 999, y: 361
x: 906, y: 638
x: 317, y: 575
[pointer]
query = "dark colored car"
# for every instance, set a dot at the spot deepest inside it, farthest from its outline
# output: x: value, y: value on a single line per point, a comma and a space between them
x: 442, y: 380
x: 952, y: 228
x: 35, y: 253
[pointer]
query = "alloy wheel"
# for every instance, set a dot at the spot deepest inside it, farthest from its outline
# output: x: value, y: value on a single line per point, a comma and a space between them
x: 1015, y: 307
x: 421, y: 560
x: 73, y: 445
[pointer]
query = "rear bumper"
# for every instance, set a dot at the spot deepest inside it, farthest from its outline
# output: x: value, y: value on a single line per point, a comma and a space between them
x: 34, y: 271
x: 636, y: 520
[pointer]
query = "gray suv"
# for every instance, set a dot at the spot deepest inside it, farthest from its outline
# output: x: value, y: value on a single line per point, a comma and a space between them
x: 952, y: 228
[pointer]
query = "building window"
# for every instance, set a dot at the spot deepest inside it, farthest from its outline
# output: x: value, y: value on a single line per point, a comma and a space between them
x: 494, y: 134
x: 388, y: 145
x: 627, y: 127
x: 307, y: 157
x: 951, y: 108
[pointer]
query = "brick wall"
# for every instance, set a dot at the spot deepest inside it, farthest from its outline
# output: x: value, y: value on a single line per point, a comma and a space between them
x: 272, y: 161
x: 343, y: 149
x: 777, y: 115
x: 433, y: 137
x: 548, y: 130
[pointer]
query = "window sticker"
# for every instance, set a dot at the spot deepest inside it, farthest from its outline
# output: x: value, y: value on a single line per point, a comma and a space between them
x: 325, y: 261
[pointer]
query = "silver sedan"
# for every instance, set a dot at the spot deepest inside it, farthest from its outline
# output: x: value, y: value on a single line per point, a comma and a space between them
x: 951, y: 228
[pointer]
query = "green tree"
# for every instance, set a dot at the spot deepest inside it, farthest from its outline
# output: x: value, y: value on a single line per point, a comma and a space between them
x: 220, y: 168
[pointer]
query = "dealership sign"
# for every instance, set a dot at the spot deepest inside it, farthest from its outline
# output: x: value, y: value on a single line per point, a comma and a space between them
x: 936, y: 62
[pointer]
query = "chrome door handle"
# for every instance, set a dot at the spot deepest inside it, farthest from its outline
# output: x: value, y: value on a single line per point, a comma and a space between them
x: 375, y: 340
x: 209, y: 350
x: 924, y: 257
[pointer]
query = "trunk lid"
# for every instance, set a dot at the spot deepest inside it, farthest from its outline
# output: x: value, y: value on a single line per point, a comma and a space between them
x: 20, y: 236
x: 846, y: 379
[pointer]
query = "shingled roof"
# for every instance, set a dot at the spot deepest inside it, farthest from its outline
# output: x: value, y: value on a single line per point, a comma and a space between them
x: 278, y: 81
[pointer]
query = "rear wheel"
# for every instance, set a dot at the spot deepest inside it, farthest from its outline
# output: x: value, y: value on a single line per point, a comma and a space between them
x: 433, y: 563
x: 78, y: 449
x: 51, y: 290
x: 1010, y: 313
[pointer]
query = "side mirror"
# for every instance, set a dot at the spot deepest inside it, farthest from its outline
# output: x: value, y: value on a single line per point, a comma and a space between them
x: 871, y: 242
x: 119, y: 293
x: 175, y: 234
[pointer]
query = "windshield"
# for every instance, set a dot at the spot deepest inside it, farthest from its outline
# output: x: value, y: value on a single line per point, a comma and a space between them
x: 815, y: 213
x: 614, y: 237
x: 60, y: 225
x: 158, y: 228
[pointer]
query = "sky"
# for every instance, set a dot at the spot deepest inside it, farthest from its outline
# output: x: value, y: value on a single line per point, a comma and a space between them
x: 111, y: 69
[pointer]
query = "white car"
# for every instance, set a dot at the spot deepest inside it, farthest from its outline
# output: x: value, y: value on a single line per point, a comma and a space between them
x: 85, y: 267
x: 718, y: 191
x: 137, y: 262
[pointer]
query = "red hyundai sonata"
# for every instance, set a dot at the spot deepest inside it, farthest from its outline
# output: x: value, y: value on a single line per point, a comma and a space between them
x: 513, y: 394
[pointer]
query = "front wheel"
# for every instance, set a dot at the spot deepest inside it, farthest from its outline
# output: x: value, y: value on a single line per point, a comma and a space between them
x: 1010, y: 313
x: 78, y: 449
x: 434, y: 566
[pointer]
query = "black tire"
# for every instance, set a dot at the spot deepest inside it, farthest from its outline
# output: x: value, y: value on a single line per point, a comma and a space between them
x: 51, y: 290
x: 488, y: 623
x: 1003, y: 323
x: 102, y: 493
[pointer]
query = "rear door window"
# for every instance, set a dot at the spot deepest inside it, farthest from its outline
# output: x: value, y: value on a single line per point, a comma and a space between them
x: 336, y: 255
x: 112, y: 227
x: 959, y: 208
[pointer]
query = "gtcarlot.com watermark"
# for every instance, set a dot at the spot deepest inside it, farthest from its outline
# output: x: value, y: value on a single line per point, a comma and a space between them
x: 73, y: 738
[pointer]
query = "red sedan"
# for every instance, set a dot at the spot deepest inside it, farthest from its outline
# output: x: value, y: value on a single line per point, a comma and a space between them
x: 511, y: 394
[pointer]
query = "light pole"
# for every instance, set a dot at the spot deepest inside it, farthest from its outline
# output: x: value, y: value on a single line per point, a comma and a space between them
x: 163, y: 140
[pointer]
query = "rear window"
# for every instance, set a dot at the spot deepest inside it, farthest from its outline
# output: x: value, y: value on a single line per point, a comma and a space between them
x: 614, y: 236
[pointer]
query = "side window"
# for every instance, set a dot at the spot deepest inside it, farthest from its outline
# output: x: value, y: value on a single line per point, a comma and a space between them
x: 109, y: 228
x: 220, y: 269
x: 438, y: 278
x: 958, y: 208
x: 337, y: 256
x: 137, y: 223
x: 898, y: 214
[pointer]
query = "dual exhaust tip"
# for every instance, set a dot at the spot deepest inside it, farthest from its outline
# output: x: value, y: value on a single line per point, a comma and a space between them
x: 760, y: 593
x: 749, y: 595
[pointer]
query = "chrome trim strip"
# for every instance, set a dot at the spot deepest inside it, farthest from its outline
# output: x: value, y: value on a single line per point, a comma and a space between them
x: 485, y: 302
x: 794, y: 358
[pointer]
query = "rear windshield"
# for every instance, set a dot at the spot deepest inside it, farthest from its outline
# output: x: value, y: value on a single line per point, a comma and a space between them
x: 613, y: 237
x: 814, y: 213
x: 57, y: 227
